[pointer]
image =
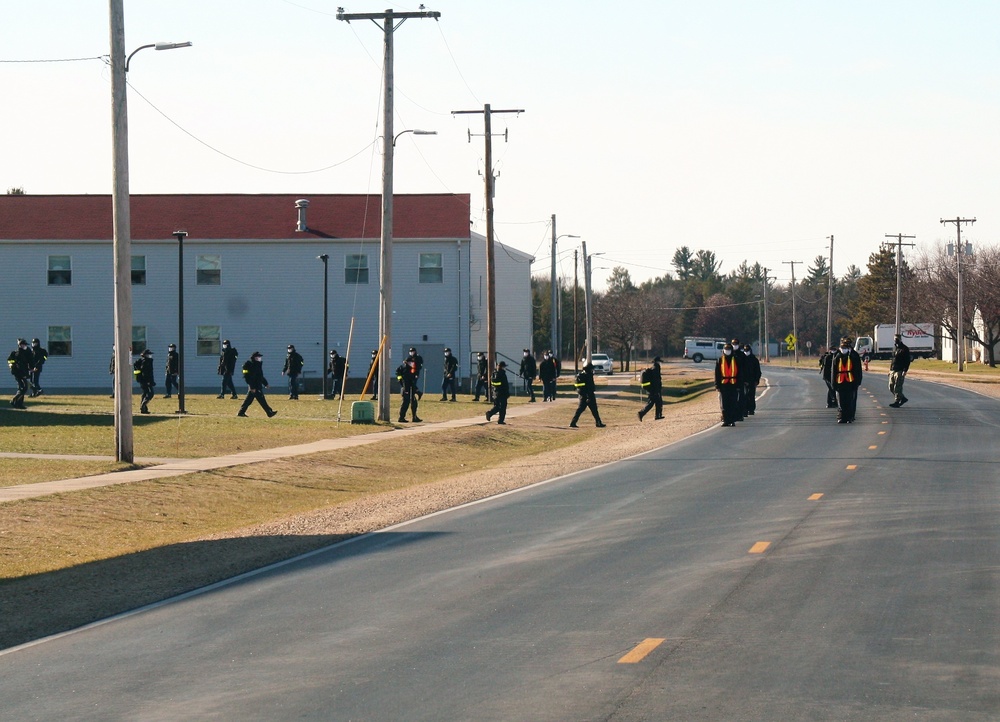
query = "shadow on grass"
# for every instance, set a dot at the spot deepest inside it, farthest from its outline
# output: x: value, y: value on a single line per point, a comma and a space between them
x: 31, y: 419
x: 44, y: 604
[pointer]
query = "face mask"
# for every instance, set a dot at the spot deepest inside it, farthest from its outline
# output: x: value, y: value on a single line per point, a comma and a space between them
x: 547, y: 356
x: 526, y: 354
x: 727, y: 352
x: 845, y: 349
x: 225, y: 345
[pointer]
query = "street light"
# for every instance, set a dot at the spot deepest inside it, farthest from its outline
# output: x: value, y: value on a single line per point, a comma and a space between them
x: 554, y: 339
x: 122, y: 243
x: 415, y: 132
x: 325, y: 257
x: 180, y: 236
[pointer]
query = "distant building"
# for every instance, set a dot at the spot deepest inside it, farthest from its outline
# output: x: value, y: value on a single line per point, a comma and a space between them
x: 251, y: 277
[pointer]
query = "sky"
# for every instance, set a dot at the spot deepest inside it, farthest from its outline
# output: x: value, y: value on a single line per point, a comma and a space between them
x: 753, y: 129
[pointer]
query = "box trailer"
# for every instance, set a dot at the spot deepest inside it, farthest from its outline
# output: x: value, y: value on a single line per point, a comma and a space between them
x: 919, y: 337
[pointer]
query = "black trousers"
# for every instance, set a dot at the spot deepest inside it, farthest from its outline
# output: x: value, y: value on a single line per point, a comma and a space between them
x: 409, y: 402
x: 171, y: 382
x: 750, y: 395
x: 258, y: 396
x: 729, y: 401
x: 549, y: 388
x: 499, y: 408
x: 655, y: 399
x: 22, y: 388
x: 847, y: 397
x: 587, y: 401
x: 35, y: 385
x: 227, y: 384
x: 147, y: 393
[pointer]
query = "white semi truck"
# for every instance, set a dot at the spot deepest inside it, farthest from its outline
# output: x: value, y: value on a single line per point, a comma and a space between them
x: 919, y: 337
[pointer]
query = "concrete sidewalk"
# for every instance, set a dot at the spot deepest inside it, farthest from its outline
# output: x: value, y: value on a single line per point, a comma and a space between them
x: 179, y: 467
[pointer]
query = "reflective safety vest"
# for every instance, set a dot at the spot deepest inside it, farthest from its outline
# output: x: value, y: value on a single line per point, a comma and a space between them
x: 728, y: 370
x: 845, y: 371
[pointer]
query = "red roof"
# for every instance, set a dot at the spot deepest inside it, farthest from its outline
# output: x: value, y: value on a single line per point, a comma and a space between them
x: 232, y: 216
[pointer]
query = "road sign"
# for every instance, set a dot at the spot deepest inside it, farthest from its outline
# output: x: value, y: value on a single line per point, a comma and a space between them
x: 790, y: 341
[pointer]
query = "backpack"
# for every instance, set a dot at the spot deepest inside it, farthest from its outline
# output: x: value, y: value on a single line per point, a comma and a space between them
x: 646, y: 378
x: 581, y: 380
x: 137, y: 366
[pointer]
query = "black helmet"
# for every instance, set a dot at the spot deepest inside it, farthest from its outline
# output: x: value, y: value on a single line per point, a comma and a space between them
x: 35, y: 341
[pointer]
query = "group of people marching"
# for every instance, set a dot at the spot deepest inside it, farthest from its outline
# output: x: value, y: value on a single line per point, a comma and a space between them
x: 25, y: 365
x: 842, y: 369
x: 737, y: 375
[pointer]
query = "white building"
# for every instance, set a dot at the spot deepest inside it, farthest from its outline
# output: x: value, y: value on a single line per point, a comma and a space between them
x: 251, y: 277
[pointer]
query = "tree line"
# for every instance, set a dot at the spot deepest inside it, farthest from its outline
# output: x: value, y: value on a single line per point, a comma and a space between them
x: 653, y: 318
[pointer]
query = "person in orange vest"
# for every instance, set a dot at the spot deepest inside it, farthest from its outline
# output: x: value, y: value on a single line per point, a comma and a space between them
x: 728, y: 382
x: 845, y: 377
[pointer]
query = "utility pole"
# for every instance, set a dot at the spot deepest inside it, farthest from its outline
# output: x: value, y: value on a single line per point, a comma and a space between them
x: 829, y: 299
x: 959, y: 322
x: 795, y: 323
x: 122, y: 251
x: 767, y: 336
x: 553, y: 337
x: 586, y: 302
x: 389, y: 26
x: 576, y: 284
x: 899, y: 276
x: 491, y: 273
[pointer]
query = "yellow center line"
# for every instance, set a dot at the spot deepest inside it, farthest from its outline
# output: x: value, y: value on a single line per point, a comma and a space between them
x: 880, y: 433
x: 852, y: 467
x: 873, y: 447
x: 815, y: 497
x: 759, y: 547
x: 641, y: 650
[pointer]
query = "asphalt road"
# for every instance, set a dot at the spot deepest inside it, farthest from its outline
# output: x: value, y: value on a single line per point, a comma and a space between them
x: 788, y: 568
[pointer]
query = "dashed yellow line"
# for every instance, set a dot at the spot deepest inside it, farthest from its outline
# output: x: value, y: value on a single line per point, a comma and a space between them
x: 872, y: 447
x: 641, y: 650
x: 881, y: 433
x: 759, y: 548
x: 815, y: 497
x: 852, y: 467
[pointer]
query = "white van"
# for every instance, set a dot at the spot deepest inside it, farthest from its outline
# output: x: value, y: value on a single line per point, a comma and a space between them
x: 699, y: 349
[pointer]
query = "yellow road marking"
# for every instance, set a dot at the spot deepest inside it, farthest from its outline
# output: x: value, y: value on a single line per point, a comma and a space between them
x: 852, y: 467
x: 885, y: 422
x: 815, y: 497
x: 641, y: 650
x: 872, y: 447
x: 759, y: 547
x: 880, y: 433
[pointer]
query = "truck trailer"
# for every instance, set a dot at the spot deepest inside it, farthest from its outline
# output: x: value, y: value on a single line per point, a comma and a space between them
x: 919, y: 337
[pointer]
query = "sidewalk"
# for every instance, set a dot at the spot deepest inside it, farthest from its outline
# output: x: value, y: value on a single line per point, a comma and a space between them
x: 179, y: 467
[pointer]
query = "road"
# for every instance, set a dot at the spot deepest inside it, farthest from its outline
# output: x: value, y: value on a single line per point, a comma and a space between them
x: 787, y: 568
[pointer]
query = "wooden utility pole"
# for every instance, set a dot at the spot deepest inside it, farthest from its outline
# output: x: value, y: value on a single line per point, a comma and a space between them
x: 829, y: 299
x: 899, y: 276
x: 959, y: 321
x: 491, y: 296
x: 389, y: 24
x: 795, y: 323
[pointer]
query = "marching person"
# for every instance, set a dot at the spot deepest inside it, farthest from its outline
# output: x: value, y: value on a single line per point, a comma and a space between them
x: 482, y: 376
x: 337, y: 368
x: 415, y: 364
x: 39, y: 356
x: 728, y: 381
x: 528, y: 372
x: 751, y: 379
x: 111, y: 371
x: 501, y: 392
x: 548, y: 374
x: 373, y: 373
x: 449, y: 372
x: 742, y: 399
x: 845, y: 375
x: 172, y: 370
x: 825, y: 369
x: 19, y: 362
x: 227, y: 367
x: 293, y: 367
x: 142, y: 368
x: 898, y: 367
x: 407, y: 390
x: 253, y: 374
x: 587, y: 393
x: 652, y: 384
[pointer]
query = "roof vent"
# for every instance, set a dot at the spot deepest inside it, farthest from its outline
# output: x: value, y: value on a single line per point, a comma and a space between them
x: 300, y: 224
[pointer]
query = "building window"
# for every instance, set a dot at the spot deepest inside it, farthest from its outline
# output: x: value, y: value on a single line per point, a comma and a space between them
x: 60, y: 271
x: 138, y: 339
x: 210, y: 270
x: 431, y: 268
x: 138, y: 270
x: 209, y: 340
x: 60, y: 341
x: 356, y: 268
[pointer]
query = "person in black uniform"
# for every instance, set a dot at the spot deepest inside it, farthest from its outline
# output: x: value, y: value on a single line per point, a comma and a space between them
x: 449, y: 372
x: 337, y: 368
x: 652, y: 384
x: 111, y: 371
x: 293, y: 367
x: 227, y: 367
x: 587, y: 392
x: 19, y: 362
x: 825, y: 369
x: 172, y: 370
x: 39, y: 356
x: 408, y: 391
x: 501, y: 392
x: 728, y: 379
x: 415, y: 363
x: 751, y: 379
x: 741, y: 401
x: 548, y: 373
x: 253, y: 374
x: 898, y: 367
x: 142, y: 368
x: 373, y: 373
x: 482, y: 376
x: 528, y: 372
x: 845, y: 375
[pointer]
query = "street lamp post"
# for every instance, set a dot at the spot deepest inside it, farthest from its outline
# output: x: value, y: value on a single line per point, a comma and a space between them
x: 326, y: 306
x: 122, y: 243
x: 554, y: 338
x: 180, y: 236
